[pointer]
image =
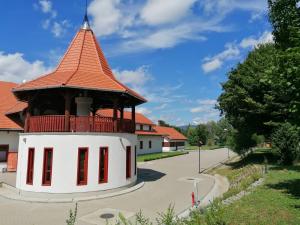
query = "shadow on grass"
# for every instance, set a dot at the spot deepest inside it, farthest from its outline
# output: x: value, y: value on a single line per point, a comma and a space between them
x: 257, y: 157
x: 291, y: 187
x: 149, y: 175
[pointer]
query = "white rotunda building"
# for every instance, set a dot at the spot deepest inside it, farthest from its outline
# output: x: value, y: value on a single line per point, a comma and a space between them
x: 66, y: 146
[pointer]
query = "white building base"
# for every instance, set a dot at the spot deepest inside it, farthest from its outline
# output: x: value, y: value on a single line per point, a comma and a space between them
x: 65, y: 160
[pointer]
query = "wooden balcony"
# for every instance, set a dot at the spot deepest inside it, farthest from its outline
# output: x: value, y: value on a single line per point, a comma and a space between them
x: 78, y: 124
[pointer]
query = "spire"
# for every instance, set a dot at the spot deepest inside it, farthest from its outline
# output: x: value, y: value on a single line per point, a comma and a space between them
x: 86, y: 23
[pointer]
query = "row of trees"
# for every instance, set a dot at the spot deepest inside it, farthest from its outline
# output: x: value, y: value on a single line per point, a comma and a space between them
x: 211, y: 133
x: 262, y: 94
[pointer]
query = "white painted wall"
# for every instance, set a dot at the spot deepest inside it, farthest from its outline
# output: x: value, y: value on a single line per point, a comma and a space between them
x: 156, y: 144
x: 170, y: 149
x: 10, y: 138
x: 65, y: 156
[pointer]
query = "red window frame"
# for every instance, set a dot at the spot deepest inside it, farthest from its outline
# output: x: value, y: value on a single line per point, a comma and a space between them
x: 46, y: 182
x: 30, y: 166
x: 6, y: 150
x: 85, y: 166
x: 128, y: 162
x: 103, y: 178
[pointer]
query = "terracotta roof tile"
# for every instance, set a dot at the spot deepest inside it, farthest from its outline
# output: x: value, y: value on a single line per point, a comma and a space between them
x: 150, y: 133
x: 139, y: 118
x: 83, y: 66
x: 7, y: 101
x: 170, y: 132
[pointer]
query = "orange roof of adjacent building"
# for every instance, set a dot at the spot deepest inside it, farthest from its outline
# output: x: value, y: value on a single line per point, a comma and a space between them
x: 139, y: 118
x: 7, y: 102
x: 83, y: 66
x: 170, y: 133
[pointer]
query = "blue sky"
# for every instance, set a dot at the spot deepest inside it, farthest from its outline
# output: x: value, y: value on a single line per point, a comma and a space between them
x: 173, y: 52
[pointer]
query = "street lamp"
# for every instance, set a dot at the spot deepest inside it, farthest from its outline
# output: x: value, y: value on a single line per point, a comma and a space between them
x: 200, y: 144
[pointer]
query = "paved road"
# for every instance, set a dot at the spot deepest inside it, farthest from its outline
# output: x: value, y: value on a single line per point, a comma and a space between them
x: 167, y: 181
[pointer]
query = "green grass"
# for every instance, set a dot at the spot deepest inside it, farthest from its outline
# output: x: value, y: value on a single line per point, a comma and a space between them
x: 276, y: 202
x: 155, y: 156
x: 205, y: 147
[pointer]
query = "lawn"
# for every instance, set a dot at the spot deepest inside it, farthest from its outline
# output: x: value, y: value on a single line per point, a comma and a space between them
x: 155, y: 156
x: 276, y: 202
x: 204, y: 147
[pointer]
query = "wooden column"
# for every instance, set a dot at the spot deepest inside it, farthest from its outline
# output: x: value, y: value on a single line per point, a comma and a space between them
x: 122, y: 118
x: 67, y: 110
x: 133, y: 118
x: 27, y: 116
x: 115, y: 116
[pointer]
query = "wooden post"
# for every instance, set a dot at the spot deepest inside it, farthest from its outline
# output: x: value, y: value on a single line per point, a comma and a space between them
x: 122, y: 119
x: 133, y: 118
x: 28, y: 114
x: 67, y: 111
x: 115, y: 116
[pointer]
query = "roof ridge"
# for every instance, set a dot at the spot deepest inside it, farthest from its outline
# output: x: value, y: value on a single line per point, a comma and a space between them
x: 72, y: 75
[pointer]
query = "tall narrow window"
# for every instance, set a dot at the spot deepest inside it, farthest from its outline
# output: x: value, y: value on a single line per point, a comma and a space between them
x: 47, y: 166
x: 103, y: 165
x: 141, y: 145
x: 135, y: 160
x: 150, y: 144
x: 82, y: 167
x: 128, y: 161
x: 30, y: 166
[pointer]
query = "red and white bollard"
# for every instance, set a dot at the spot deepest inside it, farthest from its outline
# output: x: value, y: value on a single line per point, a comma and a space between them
x: 193, y: 199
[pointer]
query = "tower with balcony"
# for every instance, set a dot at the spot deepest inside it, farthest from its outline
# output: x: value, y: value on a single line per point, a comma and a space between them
x: 66, y: 147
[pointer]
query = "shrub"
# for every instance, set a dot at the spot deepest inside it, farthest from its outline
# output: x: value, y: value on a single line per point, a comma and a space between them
x: 286, y: 142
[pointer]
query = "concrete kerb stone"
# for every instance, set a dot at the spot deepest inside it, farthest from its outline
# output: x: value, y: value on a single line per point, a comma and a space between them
x: 12, y: 193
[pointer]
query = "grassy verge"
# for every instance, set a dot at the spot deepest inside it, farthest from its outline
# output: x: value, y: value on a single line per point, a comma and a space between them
x: 277, y: 201
x: 155, y: 156
x: 205, y: 147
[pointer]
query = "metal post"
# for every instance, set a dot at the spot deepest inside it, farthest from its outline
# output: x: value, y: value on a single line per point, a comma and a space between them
x: 199, y: 159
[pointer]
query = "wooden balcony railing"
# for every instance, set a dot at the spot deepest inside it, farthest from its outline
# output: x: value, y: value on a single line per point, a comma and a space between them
x: 79, y: 124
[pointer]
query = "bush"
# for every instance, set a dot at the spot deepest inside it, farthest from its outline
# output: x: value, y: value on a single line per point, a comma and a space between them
x: 286, y: 142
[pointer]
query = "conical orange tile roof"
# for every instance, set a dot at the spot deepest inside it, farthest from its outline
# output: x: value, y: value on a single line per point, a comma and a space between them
x: 83, y: 66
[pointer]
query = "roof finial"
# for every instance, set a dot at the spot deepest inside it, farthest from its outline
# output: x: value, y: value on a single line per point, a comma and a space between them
x: 86, y: 23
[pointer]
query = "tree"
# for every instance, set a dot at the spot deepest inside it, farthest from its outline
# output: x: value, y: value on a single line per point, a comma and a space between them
x: 192, y: 136
x: 286, y: 141
x: 202, y: 133
x: 247, y: 100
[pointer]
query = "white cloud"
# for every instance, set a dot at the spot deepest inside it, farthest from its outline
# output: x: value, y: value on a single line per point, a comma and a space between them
x: 251, y: 42
x: 134, y: 78
x: 57, y: 28
x: 163, y: 38
x: 213, y: 63
x: 60, y: 28
x: 157, y: 12
x: 106, y: 16
x: 13, y: 67
x: 143, y: 110
x: 204, y: 106
x: 47, y: 8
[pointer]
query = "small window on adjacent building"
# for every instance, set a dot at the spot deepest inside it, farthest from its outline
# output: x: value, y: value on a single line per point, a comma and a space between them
x: 3, y: 153
x: 103, y: 165
x: 47, y: 166
x: 141, y: 127
x: 30, y: 166
x: 128, y: 162
x: 150, y: 144
x: 82, y: 167
x: 141, y: 144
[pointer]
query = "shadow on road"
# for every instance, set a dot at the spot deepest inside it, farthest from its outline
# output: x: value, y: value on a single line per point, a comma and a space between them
x: 149, y: 175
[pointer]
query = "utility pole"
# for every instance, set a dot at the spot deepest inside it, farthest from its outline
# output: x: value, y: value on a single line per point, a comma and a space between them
x: 200, y: 144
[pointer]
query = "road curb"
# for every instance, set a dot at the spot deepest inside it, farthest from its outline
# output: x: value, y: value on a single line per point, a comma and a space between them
x: 13, y: 194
